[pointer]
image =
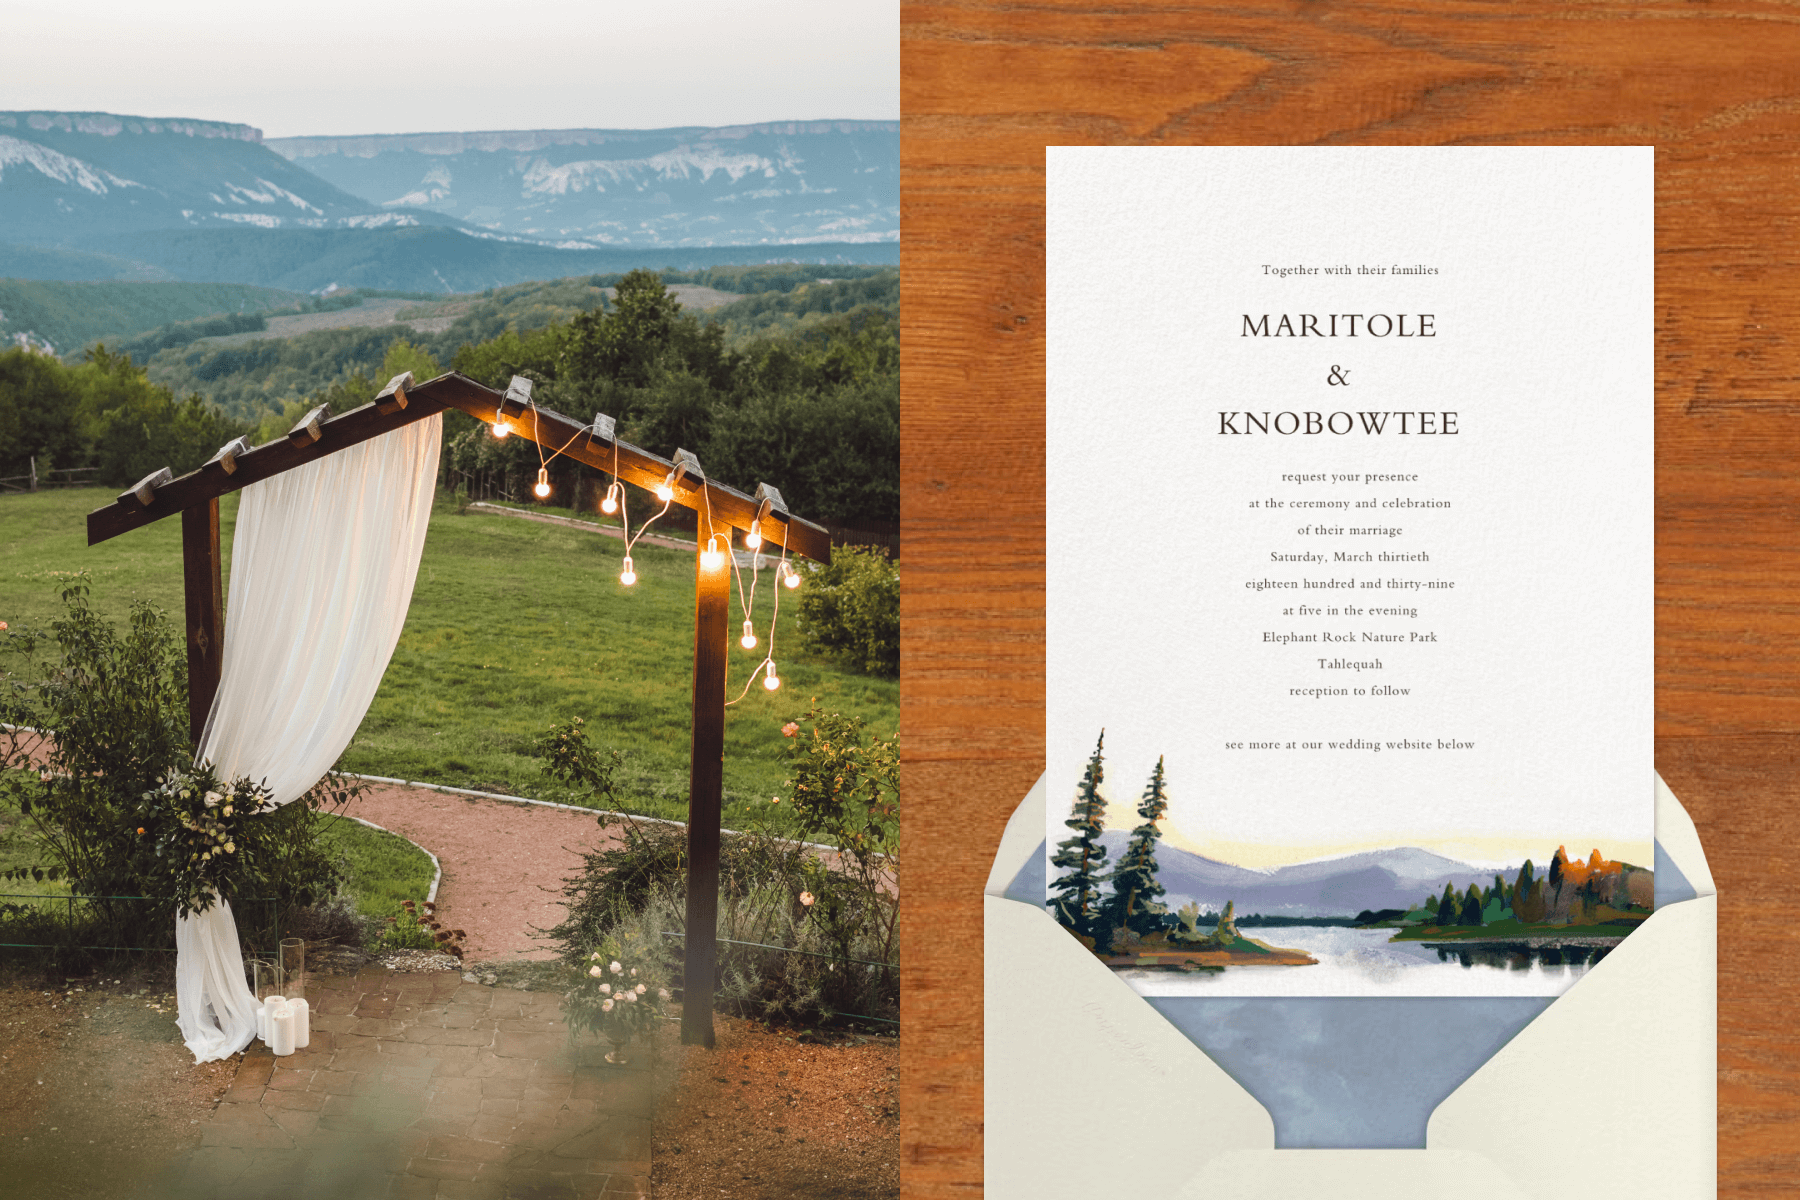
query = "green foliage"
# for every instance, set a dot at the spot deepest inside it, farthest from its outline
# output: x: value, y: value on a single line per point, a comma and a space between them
x: 116, y: 805
x: 1469, y: 912
x: 141, y: 348
x: 71, y: 316
x: 40, y: 414
x: 187, y: 845
x: 119, y: 705
x: 1133, y: 904
x: 1448, y: 909
x: 416, y: 927
x: 844, y: 789
x: 104, y: 412
x: 850, y: 610
x: 789, y: 310
x: 250, y: 378
x: 1076, y: 892
x: 403, y: 355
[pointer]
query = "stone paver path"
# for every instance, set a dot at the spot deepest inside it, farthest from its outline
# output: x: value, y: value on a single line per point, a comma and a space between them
x: 421, y: 1085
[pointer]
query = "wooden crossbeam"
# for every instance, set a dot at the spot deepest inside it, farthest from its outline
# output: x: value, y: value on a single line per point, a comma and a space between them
x: 211, y: 481
x: 576, y: 439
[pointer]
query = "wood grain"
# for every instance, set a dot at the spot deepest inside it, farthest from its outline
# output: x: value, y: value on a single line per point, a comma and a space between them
x: 1714, y: 86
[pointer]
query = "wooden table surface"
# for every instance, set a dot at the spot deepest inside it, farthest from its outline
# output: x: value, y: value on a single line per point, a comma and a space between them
x: 1714, y: 86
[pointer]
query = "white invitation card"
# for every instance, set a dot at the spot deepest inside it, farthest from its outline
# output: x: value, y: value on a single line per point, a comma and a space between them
x: 1350, y: 519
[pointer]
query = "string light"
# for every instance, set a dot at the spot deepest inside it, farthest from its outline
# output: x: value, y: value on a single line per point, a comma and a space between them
x: 712, y: 558
x: 543, y: 484
x: 748, y: 641
x: 752, y: 540
x: 770, y: 679
x: 610, y: 505
x: 502, y: 426
x: 627, y: 576
x: 790, y: 577
x: 664, y: 492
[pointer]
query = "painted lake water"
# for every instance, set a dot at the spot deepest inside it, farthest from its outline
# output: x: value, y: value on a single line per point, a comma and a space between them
x: 1363, y: 962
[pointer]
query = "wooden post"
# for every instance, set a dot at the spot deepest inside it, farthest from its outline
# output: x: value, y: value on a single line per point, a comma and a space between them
x: 205, y: 608
x: 34, y: 472
x: 706, y: 769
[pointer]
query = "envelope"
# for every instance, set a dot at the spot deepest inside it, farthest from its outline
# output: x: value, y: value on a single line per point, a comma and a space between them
x: 1090, y: 1092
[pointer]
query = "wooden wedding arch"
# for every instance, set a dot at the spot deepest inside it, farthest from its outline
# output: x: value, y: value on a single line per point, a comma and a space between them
x: 718, y: 509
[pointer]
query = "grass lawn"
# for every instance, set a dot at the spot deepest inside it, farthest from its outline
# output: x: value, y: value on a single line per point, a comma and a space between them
x: 513, y: 625
x: 380, y: 869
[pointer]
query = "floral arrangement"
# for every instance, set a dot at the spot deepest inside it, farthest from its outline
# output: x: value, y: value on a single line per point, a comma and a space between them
x: 194, y: 826
x: 621, y: 993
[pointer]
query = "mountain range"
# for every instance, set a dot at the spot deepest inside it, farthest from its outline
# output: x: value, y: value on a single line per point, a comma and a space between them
x: 785, y: 183
x: 1332, y: 887
x: 96, y: 196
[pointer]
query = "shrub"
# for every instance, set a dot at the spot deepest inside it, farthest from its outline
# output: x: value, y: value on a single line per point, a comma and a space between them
x: 850, y: 609
x: 817, y: 929
x: 118, y: 761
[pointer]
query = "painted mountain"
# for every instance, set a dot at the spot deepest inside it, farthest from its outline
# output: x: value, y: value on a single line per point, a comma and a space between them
x: 1332, y: 887
x: 793, y: 182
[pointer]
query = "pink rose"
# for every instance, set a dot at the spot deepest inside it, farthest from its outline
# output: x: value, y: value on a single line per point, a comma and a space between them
x: 788, y: 730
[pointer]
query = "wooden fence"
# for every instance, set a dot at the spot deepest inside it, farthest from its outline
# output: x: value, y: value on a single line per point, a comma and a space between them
x: 33, y: 481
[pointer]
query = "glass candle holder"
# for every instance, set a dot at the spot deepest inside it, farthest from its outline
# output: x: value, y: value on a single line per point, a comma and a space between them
x: 264, y: 978
x: 293, y: 967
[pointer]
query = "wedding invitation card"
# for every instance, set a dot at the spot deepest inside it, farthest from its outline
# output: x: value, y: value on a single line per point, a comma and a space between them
x: 1350, y: 483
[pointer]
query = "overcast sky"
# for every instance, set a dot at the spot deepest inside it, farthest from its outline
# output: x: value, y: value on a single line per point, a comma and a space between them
x: 342, y: 67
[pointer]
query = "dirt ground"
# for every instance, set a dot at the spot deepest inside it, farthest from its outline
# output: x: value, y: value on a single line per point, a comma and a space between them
x: 98, y: 1094
x: 773, y: 1114
x: 96, y: 1089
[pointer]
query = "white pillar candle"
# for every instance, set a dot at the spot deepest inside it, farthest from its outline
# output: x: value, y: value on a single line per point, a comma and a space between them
x: 281, y: 1028
x: 302, y: 1022
x: 262, y: 1018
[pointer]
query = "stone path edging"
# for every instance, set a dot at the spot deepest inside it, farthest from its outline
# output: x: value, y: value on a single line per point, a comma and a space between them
x: 437, y: 875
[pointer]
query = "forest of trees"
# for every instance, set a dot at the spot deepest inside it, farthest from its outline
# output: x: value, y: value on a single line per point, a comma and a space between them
x: 814, y: 410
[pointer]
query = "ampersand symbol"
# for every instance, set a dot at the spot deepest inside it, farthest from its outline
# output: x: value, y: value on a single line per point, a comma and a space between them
x: 1336, y: 378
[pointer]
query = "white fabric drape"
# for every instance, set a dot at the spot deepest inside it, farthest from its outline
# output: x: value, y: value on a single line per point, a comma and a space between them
x: 322, y: 569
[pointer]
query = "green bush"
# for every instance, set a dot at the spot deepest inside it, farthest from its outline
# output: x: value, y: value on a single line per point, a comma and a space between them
x: 850, y: 610
x: 818, y: 929
x: 102, y: 803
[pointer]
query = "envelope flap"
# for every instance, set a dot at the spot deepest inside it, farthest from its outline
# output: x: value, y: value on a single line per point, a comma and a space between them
x: 1024, y: 834
x: 1076, y: 1060
x: 1679, y: 839
x: 1626, y: 1057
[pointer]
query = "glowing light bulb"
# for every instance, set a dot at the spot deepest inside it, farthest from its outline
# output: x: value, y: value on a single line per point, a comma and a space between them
x: 748, y: 641
x: 771, y: 680
x: 752, y: 539
x: 627, y: 576
x: 542, y: 487
x: 792, y: 578
x: 712, y: 558
x: 611, y: 503
x: 664, y: 492
x: 502, y: 427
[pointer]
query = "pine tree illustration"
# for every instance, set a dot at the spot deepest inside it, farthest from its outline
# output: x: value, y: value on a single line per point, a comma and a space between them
x: 1133, y: 904
x: 1076, y: 892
